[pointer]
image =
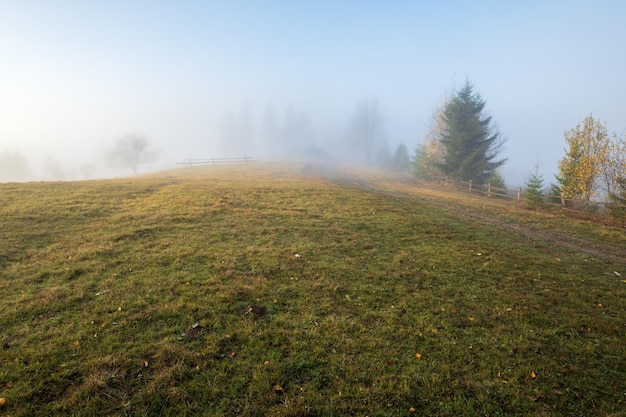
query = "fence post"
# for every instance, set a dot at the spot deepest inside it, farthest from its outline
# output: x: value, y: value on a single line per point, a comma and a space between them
x: 519, y: 193
x: 488, y: 189
x: 470, y: 186
x: 562, y: 200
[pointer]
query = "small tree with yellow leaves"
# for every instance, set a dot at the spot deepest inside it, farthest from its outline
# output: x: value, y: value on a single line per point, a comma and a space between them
x: 581, y: 169
x: 429, y: 155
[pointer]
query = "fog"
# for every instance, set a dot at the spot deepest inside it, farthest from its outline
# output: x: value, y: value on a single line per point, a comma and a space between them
x: 276, y: 80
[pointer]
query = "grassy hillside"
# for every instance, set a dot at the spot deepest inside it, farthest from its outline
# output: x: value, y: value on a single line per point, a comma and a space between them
x: 291, y: 291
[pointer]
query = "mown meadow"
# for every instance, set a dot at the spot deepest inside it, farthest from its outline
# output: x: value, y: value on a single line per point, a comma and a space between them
x: 278, y: 290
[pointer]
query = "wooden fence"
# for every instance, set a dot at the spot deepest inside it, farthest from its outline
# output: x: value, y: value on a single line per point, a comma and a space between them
x: 597, y: 207
x: 214, y: 161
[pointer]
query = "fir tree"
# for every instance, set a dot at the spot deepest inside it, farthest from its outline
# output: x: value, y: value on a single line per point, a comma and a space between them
x: 470, y: 141
x: 533, y: 196
x: 401, y: 160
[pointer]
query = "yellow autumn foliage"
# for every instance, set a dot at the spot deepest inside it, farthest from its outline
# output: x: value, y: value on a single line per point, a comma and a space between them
x: 580, y: 171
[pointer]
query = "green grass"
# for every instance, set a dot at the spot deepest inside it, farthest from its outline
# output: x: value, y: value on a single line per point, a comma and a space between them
x: 259, y: 290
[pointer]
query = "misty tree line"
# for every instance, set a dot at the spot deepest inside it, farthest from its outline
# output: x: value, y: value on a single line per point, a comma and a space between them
x: 127, y: 152
x: 362, y: 140
x: 14, y: 168
x: 293, y: 136
x: 462, y: 143
x: 238, y: 135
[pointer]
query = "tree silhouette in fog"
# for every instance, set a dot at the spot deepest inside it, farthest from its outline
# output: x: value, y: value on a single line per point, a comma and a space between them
x: 367, y: 128
x: 130, y: 151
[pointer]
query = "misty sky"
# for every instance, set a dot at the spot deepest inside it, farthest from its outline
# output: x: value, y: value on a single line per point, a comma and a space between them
x: 77, y: 75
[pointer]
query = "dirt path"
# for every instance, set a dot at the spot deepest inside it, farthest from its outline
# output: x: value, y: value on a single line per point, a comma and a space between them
x: 597, y: 250
x: 603, y: 251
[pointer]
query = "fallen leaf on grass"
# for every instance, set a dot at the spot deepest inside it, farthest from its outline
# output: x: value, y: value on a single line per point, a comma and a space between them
x: 276, y: 387
x: 412, y: 410
x: 418, y: 355
x: 533, y: 375
x: 196, y: 330
x: 257, y: 311
x: 3, y: 401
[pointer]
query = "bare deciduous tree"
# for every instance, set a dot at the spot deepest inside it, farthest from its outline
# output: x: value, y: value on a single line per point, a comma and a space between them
x: 130, y: 151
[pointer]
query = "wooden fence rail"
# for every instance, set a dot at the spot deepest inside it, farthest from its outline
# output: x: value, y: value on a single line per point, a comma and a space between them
x: 598, y: 207
x: 214, y: 161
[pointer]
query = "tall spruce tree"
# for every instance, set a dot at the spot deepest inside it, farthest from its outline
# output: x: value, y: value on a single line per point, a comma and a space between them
x: 470, y: 141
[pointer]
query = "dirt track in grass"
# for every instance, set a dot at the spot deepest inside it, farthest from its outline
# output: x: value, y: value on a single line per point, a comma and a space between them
x: 604, y: 251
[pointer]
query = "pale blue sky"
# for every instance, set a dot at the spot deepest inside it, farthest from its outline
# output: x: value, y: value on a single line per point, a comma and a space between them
x: 76, y: 75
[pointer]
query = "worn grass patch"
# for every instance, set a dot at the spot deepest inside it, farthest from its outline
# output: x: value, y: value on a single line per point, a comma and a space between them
x: 260, y: 290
